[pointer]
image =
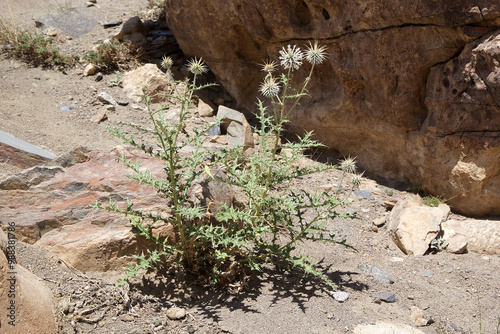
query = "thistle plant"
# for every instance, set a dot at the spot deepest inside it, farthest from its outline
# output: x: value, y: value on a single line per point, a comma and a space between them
x: 276, y: 216
x: 223, y: 240
x: 180, y: 173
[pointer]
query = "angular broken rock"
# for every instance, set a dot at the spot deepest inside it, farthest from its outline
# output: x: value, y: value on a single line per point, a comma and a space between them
x: 90, y: 69
x: 238, y: 130
x: 387, y: 297
x: 106, y: 98
x: 135, y: 31
x: 100, y: 116
x: 379, y: 274
x: 417, y: 317
x: 412, y: 226
x: 205, y: 109
x: 151, y: 80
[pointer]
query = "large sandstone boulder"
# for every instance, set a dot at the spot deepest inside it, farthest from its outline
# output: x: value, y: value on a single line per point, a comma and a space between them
x: 410, y: 88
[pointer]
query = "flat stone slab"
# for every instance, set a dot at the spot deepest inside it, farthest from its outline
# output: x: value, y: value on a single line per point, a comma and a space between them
x: 73, y: 22
x: 10, y: 140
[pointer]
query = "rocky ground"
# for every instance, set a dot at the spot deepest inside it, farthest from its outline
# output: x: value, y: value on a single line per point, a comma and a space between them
x: 460, y: 293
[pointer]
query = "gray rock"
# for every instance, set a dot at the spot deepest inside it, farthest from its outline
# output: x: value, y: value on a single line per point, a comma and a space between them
x: 72, y: 106
x: 215, y: 130
x: 122, y: 102
x: 387, y: 297
x: 426, y: 273
x: 379, y: 274
x: 364, y: 194
x: 106, y: 98
x: 447, y: 270
x: 111, y: 24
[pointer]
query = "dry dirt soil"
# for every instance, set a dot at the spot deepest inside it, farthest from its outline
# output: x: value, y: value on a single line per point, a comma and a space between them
x: 461, y: 293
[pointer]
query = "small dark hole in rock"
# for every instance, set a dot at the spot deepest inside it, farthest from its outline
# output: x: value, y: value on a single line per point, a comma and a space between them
x: 446, y: 82
x: 325, y: 14
x: 302, y: 13
x: 454, y: 91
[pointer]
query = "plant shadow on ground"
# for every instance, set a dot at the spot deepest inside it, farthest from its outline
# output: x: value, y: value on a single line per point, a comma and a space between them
x: 185, y: 289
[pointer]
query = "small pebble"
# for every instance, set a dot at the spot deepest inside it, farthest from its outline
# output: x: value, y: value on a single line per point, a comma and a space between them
x: 176, y: 313
x: 447, y: 270
x: 426, y: 273
x: 387, y: 297
x: 111, y: 24
x: 126, y: 317
x: 122, y: 102
x: 340, y: 296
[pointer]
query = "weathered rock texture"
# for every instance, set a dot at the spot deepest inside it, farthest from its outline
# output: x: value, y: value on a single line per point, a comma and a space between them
x: 54, y: 213
x: 410, y: 88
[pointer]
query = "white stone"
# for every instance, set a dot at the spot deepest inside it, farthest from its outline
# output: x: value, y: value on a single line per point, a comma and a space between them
x: 340, y: 296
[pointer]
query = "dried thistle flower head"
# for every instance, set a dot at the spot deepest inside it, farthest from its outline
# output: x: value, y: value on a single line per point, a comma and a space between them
x: 315, y: 54
x: 167, y: 62
x: 291, y: 57
x: 348, y: 165
x: 270, y: 87
x: 197, y: 66
x: 356, y: 180
x: 269, y: 66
